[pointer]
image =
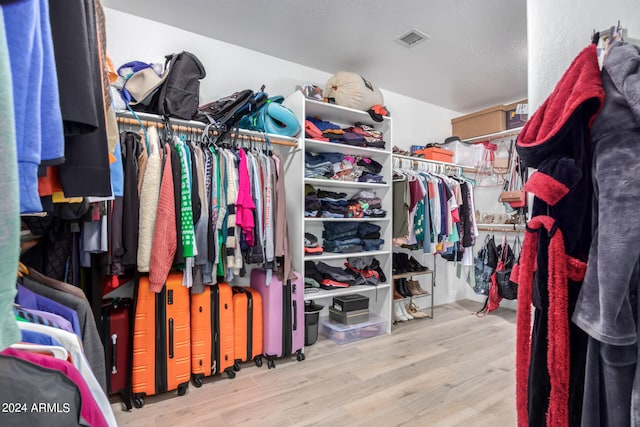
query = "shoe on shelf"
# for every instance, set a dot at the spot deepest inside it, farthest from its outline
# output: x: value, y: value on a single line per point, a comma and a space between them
x: 404, y: 311
x: 398, y: 314
x: 399, y: 266
x: 401, y: 262
x: 422, y: 291
x: 396, y: 295
x: 416, y: 266
x: 404, y: 290
x: 412, y: 286
x: 416, y: 312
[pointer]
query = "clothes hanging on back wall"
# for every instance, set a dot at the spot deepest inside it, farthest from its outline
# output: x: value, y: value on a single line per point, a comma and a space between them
x: 434, y: 212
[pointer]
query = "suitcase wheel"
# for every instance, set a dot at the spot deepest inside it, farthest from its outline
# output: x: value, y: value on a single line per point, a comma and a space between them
x: 138, y: 400
x: 271, y: 363
x: 300, y: 356
x: 182, y: 388
x: 236, y: 366
x: 258, y: 361
x: 230, y: 373
x: 197, y: 380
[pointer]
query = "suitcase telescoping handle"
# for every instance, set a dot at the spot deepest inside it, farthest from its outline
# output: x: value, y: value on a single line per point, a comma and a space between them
x: 170, y: 338
x: 295, y: 315
x: 114, y: 353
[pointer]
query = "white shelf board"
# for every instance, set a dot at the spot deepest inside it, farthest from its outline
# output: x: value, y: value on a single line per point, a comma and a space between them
x: 326, y: 293
x: 332, y: 255
x: 343, y: 184
x: 342, y: 115
x: 387, y: 218
x: 314, y: 146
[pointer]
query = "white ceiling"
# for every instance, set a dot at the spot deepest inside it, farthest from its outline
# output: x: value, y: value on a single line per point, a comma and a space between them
x: 476, y: 57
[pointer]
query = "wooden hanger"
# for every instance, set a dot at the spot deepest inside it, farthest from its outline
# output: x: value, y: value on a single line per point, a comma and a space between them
x: 23, y: 270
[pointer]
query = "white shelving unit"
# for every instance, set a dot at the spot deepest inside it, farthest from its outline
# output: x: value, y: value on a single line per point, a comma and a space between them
x: 380, y: 296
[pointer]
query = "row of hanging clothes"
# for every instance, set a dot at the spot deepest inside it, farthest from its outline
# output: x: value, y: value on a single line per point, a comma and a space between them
x: 207, y: 208
x: 433, y: 209
x: 57, y: 367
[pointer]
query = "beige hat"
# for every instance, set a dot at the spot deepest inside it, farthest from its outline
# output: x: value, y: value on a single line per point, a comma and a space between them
x: 142, y: 84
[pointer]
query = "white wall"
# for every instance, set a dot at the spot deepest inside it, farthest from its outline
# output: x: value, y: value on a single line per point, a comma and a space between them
x: 557, y: 31
x: 231, y: 68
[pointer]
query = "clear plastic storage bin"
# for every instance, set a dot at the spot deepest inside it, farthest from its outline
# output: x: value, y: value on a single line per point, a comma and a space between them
x: 343, y: 334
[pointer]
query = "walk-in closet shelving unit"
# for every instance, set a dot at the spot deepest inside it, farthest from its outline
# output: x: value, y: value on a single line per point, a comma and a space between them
x: 416, y: 164
x: 380, y: 296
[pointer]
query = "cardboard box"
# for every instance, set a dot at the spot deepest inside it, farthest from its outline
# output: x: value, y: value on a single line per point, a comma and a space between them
x: 483, y: 122
x: 349, y: 317
x: 350, y: 302
x: 514, y: 118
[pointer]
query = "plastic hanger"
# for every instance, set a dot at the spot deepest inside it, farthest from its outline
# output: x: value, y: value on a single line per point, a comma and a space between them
x: 53, y: 350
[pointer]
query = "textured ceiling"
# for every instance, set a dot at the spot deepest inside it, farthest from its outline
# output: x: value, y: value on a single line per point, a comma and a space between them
x: 476, y: 57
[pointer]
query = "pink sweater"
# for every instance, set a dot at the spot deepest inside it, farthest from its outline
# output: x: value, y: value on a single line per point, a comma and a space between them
x: 244, y: 204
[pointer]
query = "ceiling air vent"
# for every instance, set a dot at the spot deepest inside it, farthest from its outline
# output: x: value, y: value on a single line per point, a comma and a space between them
x: 412, y: 38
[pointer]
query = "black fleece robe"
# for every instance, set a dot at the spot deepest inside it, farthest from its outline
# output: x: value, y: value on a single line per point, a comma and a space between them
x: 556, y: 140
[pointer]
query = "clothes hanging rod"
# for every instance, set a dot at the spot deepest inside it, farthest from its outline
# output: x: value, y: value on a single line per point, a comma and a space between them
x: 505, y: 228
x: 495, y: 135
x: 180, y: 125
x: 435, y: 162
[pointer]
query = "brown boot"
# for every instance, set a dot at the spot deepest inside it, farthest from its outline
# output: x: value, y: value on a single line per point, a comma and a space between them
x: 396, y: 294
x: 422, y: 291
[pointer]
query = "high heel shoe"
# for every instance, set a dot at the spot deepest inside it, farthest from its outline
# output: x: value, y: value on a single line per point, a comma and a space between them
x: 416, y: 312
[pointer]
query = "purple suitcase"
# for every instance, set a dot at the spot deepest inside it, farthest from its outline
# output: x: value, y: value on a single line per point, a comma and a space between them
x: 282, y: 314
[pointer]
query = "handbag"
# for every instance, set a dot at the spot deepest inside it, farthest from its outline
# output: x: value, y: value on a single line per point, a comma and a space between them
x: 508, y: 289
x: 512, y: 192
x: 501, y: 165
x: 482, y: 267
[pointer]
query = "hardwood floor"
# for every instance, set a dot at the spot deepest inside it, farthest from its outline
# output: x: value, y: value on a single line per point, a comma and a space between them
x: 454, y: 370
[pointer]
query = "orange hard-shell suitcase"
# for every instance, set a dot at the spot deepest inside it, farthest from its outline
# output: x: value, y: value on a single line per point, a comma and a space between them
x: 212, y: 339
x: 247, y: 312
x: 161, y: 339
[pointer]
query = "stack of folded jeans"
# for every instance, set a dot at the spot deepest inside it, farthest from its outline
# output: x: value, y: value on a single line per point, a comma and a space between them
x: 351, y: 237
x: 370, y: 236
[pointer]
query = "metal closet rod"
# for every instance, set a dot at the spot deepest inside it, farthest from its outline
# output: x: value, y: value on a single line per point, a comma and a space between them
x: 457, y: 167
x: 492, y: 136
x: 504, y: 228
x: 190, y: 126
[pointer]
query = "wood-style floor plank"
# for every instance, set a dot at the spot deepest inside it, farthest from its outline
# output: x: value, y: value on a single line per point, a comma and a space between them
x: 454, y: 370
